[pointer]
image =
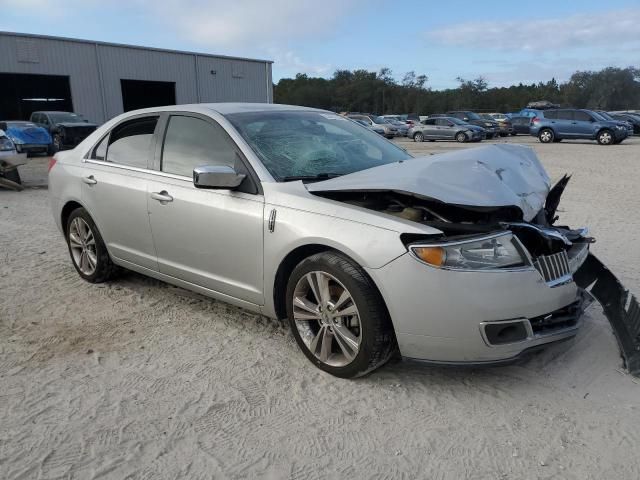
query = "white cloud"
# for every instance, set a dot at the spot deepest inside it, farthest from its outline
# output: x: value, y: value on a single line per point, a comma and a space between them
x: 611, y: 28
x: 214, y: 23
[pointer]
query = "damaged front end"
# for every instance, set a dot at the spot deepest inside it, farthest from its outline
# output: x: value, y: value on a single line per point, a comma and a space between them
x: 497, y: 198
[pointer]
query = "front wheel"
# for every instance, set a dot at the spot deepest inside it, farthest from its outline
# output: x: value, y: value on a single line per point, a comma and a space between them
x: 337, y: 316
x: 57, y: 142
x: 461, y: 137
x: 546, y: 135
x: 418, y: 137
x: 605, y: 137
x: 87, y: 249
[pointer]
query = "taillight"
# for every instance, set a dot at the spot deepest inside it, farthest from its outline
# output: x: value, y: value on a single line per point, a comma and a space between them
x: 52, y: 162
x: 535, y: 120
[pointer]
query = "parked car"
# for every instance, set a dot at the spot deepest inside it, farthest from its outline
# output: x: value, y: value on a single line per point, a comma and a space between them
x: 634, y: 120
x: 403, y: 128
x: 362, y: 248
x: 491, y: 127
x: 9, y: 175
x: 520, y: 125
x: 560, y: 124
x: 375, y: 128
x: 446, y: 128
x: 7, y: 147
x: 605, y: 116
x: 505, y: 126
x: 28, y: 137
x: 67, y: 129
x: 390, y: 131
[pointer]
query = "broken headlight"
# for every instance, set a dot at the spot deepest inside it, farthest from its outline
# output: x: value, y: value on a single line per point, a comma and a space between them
x: 492, y: 252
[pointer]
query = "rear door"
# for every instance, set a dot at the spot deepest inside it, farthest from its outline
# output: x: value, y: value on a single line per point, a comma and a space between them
x: 210, y: 238
x: 114, y: 189
x: 563, y: 122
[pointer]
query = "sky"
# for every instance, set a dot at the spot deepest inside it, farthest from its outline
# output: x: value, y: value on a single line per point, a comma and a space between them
x: 506, y: 42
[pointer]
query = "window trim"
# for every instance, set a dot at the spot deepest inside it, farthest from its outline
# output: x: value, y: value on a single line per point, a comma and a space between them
x: 157, y: 161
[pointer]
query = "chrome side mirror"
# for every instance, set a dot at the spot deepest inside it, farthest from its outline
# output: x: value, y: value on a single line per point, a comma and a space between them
x: 221, y: 177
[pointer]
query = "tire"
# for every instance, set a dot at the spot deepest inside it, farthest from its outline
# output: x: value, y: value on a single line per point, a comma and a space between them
x: 418, y: 137
x: 461, y: 137
x: 102, y: 268
x: 14, y: 176
x: 546, y: 135
x: 503, y: 134
x: 57, y: 142
x: 368, y: 325
x: 557, y: 140
x: 605, y: 137
x: 513, y: 134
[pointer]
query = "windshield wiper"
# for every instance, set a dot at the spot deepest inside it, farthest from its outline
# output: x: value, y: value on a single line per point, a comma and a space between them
x: 311, y: 178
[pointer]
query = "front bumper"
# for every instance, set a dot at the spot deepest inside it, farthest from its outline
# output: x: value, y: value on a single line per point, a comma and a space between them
x: 32, y: 147
x: 440, y: 316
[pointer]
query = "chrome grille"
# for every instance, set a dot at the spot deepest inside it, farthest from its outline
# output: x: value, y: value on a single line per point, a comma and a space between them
x: 553, y: 267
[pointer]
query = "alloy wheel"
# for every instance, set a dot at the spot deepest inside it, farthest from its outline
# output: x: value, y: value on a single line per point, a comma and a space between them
x: 327, y: 319
x: 606, y: 138
x: 83, y: 246
x: 546, y: 136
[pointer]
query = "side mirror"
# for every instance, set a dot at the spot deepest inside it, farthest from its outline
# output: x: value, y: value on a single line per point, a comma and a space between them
x: 466, y: 119
x: 220, y: 177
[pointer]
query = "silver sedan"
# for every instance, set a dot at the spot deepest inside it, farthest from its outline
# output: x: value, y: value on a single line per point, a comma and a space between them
x: 302, y: 214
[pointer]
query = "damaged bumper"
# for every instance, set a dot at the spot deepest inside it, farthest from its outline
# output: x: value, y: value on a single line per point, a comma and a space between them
x: 492, y: 316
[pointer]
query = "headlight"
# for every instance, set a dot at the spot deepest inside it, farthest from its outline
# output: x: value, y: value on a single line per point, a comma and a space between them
x: 497, y: 251
x: 488, y: 125
x: 17, y: 141
x: 5, y: 144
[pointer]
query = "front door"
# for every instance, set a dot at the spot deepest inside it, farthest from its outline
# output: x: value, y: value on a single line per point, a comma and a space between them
x: 210, y: 238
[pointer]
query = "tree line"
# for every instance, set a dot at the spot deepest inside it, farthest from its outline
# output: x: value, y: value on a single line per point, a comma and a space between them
x: 379, y: 92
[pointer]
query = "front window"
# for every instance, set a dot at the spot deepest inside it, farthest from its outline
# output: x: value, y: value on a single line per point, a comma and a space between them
x: 66, y: 117
x: 472, y: 116
x: 313, y: 144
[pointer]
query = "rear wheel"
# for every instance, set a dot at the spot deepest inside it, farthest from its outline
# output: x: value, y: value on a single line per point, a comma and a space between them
x: 605, y: 137
x: 546, y: 135
x: 87, y: 249
x: 514, y: 133
x: 461, y: 137
x: 337, y: 316
x: 418, y: 137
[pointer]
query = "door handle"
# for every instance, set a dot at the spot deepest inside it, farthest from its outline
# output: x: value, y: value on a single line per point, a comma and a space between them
x: 89, y: 180
x: 163, y: 197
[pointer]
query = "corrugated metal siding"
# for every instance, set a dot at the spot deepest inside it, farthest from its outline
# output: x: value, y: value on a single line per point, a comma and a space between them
x: 53, y: 57
x: 95, y: 71
x: 224, y: 80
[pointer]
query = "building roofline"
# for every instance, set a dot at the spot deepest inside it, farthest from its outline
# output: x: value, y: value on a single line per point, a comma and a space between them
x: 135, y: 47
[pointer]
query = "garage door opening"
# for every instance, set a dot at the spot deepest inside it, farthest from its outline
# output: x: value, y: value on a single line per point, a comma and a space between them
x: 144, y: 94
x: 23, y: 94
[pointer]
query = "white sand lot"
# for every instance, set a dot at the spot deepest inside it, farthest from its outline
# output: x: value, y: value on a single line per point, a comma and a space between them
x: 138, y: 379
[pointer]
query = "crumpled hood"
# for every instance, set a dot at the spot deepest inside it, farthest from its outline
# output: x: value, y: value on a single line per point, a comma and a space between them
x: 487, y: 176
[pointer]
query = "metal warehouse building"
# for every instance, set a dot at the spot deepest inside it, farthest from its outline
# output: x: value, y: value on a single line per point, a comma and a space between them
x: 101, y: 80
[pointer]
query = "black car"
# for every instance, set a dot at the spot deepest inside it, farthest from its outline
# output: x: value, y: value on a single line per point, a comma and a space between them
x: 520, y: 125
x: 633, y: 119
x: 66, y: 128
x: 491, y: 127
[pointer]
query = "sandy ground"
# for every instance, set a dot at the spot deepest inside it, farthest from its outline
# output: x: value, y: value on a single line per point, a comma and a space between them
x: 138, y: 379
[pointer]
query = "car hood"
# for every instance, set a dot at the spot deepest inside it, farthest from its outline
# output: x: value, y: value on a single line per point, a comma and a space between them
x: 488, y: 176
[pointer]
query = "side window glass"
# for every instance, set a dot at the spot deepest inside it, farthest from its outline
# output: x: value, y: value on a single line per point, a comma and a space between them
x: 565, y: 115
x: 551, y: 115
x: 191, y: 142
x: 100, y: 151
x: 130, y: 142
x: 581, y: 116
x: 43, y: 119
